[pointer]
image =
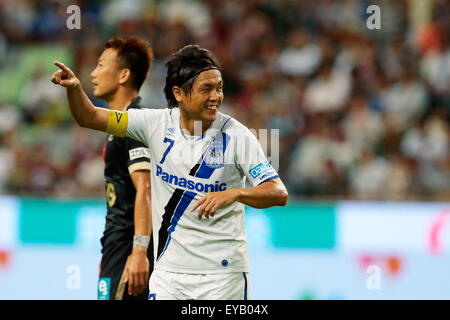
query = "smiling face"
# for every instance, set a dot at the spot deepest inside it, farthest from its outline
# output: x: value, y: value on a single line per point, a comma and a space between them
x: 205, y: 98
x: 108, y: 75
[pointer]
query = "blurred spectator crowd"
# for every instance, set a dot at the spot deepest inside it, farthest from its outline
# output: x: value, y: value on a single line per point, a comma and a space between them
x: 362, y: 114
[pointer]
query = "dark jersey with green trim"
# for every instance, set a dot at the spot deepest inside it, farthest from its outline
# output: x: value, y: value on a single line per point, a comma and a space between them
x: 122, y: 156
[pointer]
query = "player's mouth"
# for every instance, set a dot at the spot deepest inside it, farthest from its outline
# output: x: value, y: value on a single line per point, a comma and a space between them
x: 212, y: 107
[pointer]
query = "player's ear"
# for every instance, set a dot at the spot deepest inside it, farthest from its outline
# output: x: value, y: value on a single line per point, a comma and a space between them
x: 177, y: 93
x: 125, y: 75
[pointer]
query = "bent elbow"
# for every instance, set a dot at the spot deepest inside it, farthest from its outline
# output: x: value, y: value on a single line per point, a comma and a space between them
x: 284, y: 198
x: 82, y: 124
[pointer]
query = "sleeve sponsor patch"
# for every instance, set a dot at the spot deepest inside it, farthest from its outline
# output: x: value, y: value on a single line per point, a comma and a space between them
x: 139, y: 153
x: 259, y: 169
x: 272, y: 174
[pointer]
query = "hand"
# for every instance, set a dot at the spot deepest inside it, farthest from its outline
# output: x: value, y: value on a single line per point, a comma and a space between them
x: 213, y: 201
x: 137, y: 271
x: 64, y: 77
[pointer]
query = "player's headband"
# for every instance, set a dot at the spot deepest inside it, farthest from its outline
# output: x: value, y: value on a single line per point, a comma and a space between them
x: 198, y: 72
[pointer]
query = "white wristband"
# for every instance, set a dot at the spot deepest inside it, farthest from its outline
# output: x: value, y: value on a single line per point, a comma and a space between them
x: 141, y: 241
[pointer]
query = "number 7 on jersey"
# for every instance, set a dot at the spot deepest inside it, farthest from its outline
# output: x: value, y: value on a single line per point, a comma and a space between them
x: 171, y: 142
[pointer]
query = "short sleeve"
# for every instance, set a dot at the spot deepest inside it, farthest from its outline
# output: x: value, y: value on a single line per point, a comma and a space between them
x: 251, y: 159
x: 141, y: 123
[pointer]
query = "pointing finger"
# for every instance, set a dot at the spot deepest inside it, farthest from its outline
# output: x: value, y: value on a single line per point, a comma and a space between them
x: 62, y: 66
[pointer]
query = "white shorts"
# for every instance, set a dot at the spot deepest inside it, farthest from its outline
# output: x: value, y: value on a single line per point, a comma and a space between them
x: 164, y: 285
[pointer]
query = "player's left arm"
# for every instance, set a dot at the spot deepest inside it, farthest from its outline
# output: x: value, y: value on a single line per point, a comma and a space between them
x: 267, y: 194
x: 138, y: 266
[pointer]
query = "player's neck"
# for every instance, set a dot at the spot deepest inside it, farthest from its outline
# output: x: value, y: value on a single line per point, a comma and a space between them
x: 192, y: 126
x: 121, y: 99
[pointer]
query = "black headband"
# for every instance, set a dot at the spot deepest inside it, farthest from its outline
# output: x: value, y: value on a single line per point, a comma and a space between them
x: 198, y: 72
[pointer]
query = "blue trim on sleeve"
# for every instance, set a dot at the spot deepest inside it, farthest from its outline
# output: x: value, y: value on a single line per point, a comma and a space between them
x: 268, y: 179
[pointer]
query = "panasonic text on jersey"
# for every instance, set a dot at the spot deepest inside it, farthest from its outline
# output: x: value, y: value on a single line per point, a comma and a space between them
x: 189, y: 184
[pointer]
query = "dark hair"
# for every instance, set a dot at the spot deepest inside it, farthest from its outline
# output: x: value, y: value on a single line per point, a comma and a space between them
x: 134, y: 54
x: 184, y: 66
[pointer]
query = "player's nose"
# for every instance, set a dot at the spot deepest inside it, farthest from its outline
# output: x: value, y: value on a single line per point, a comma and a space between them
x: 93, y: 73
x: 214, y: 95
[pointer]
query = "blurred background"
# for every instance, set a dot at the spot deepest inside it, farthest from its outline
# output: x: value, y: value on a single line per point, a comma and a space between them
x: 363, y: 118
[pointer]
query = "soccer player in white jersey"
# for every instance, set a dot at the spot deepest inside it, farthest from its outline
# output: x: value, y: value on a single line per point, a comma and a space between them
x: 198, y: 178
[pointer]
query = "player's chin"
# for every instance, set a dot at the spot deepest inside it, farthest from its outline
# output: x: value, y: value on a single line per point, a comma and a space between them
x: 100, y: 94
x: 209, y: 115
x: 97, y: 93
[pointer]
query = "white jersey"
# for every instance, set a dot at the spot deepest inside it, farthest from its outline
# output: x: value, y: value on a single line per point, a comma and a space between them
x: 184, y: 169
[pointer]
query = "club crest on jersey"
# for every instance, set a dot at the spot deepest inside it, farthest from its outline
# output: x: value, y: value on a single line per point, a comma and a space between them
x: 214, y: 155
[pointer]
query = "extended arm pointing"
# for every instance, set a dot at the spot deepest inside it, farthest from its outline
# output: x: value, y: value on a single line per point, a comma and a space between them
x: 82, y: 109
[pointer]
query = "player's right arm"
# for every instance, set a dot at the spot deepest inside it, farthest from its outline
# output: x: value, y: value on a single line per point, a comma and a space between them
x: 82, y: 109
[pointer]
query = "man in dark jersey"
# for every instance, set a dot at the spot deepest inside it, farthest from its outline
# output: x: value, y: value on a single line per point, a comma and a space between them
x: 127, y: 253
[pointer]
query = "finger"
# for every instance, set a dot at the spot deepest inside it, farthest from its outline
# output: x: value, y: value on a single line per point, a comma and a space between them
x: 136, y: 287
x: 131, y: 284
x: 56, y: 77
x: 199, y: 202
x: 125, y: 276
x: 62, y: 66
x: 142, y: 281
x: 202, y: 211
x: 208, y: 209
x: 66, y: 83
x: 138, y: 284
x: 214, y: 210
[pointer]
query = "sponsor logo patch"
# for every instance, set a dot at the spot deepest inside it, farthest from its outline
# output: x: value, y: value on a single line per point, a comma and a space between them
x: 104, y: 285
x: 190, y: 184
x: 259, y: 169
x: 139, y: 153
x: 265, y: 176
